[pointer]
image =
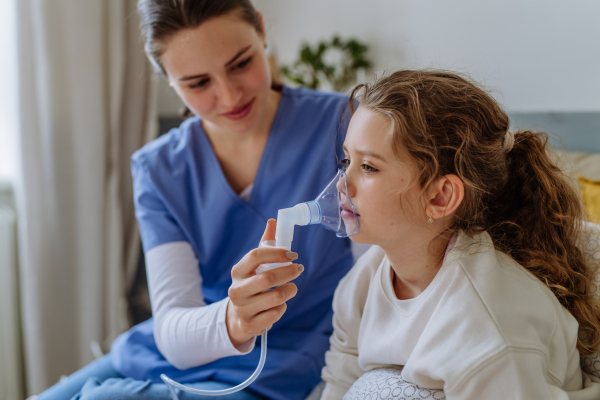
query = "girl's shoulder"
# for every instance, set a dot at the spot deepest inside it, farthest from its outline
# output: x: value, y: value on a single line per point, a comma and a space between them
x: 487, y: 308
x: 507, y: 294
x: 494, y: 275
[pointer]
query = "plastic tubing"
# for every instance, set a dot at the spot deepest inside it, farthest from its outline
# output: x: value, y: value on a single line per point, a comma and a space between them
x: 261, y: 363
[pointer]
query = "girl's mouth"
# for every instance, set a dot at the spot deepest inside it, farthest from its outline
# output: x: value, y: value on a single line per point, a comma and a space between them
x: 347, y: 212
x: 240, y: 112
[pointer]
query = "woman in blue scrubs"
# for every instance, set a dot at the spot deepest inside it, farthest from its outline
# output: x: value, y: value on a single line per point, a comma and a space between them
x: 203, y: 195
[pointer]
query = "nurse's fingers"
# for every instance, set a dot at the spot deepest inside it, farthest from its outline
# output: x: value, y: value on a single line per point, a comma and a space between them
x: 269, y: 230
x: 263, y: 255
x: 265, y: 301
x: 263, y: 320
x: 244, y: 291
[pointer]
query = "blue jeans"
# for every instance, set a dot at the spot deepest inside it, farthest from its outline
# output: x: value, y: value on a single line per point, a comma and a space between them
x: 100, y: 381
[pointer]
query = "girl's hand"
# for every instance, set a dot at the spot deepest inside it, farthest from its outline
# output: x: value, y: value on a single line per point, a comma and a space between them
x: 251, y: 309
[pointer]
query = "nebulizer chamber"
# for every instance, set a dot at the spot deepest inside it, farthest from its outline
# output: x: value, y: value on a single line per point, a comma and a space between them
x: 333, y: 210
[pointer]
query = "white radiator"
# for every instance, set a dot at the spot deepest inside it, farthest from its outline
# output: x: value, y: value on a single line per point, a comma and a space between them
x: 11, y: 366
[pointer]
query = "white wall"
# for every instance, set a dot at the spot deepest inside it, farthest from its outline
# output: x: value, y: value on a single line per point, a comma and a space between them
x: 539, y: 55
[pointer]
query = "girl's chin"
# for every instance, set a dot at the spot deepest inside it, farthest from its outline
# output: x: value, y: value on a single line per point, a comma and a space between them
x: 358, y: 238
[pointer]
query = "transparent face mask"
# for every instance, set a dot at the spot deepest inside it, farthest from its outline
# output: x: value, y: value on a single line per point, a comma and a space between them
x: 336, y: 211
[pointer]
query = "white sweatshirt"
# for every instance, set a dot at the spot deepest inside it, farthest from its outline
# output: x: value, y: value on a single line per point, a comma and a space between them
x: 485, y: 328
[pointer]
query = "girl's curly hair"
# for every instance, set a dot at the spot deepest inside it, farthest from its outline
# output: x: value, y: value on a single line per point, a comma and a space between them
x: 450, y: 125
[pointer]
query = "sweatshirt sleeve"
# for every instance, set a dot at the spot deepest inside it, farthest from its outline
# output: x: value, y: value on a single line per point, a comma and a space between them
x: 510, y: 374
x: 341, y: 360
x: 187, y: 332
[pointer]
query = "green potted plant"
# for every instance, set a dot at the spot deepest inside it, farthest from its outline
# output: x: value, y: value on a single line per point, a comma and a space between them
x: 335, y: 63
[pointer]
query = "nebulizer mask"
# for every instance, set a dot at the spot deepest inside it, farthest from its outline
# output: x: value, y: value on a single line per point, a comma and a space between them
x: 331, y: 209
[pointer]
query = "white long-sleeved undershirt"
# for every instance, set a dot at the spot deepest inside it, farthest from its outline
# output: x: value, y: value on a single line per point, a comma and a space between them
x: 187, y: 332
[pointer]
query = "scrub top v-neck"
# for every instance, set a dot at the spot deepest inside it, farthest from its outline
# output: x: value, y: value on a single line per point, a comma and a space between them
x: 273, y: 133
x: 181, y: 194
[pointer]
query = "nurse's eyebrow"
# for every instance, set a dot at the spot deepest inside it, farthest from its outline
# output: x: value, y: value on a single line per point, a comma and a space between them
x: 188, y: 78
x: 366, y: 153
x: 238, y: 55
x: 233, y: 60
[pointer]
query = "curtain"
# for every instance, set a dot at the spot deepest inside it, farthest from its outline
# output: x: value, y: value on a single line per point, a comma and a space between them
x: 87, y: 102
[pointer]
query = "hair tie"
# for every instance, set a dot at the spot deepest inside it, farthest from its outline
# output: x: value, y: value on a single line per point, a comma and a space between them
x: 509, y: 141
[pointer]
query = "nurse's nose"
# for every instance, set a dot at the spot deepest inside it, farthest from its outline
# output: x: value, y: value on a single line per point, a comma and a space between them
x: 230, y: 94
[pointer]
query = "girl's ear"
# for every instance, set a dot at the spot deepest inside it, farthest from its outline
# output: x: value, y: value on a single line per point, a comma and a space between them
x: 444, y: 196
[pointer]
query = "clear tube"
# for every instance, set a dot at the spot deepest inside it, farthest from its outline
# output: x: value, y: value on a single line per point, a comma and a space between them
x: 261, y: 363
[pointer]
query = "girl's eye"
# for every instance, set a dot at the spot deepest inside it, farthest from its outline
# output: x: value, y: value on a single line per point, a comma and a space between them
x: 199, y: 84
x: 242, y: 64
x: 368, y: 168
x: 344, y: 164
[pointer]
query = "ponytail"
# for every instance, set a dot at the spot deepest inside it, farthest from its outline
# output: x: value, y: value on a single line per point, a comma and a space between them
x: 537, y: 220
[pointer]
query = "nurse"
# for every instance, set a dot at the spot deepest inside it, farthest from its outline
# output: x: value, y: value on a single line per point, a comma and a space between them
x: 203, y: 194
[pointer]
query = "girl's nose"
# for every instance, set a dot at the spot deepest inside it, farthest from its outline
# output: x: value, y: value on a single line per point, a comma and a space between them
x: 341, y: 185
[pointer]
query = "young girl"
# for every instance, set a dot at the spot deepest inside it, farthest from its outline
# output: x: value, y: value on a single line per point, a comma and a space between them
x: 476, y: 286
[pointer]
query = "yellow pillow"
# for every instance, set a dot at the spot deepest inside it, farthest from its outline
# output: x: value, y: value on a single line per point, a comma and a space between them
x: 590, y: 193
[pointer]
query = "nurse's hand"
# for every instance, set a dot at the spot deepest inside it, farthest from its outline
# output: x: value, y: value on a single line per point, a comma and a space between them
x: 251, y: 309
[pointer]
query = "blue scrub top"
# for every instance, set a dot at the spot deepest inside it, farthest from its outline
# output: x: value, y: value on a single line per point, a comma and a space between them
x: 181, y: 194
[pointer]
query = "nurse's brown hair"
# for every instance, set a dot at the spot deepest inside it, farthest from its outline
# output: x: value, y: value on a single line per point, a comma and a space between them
x: 514, y: 192
x: 161, y: 19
